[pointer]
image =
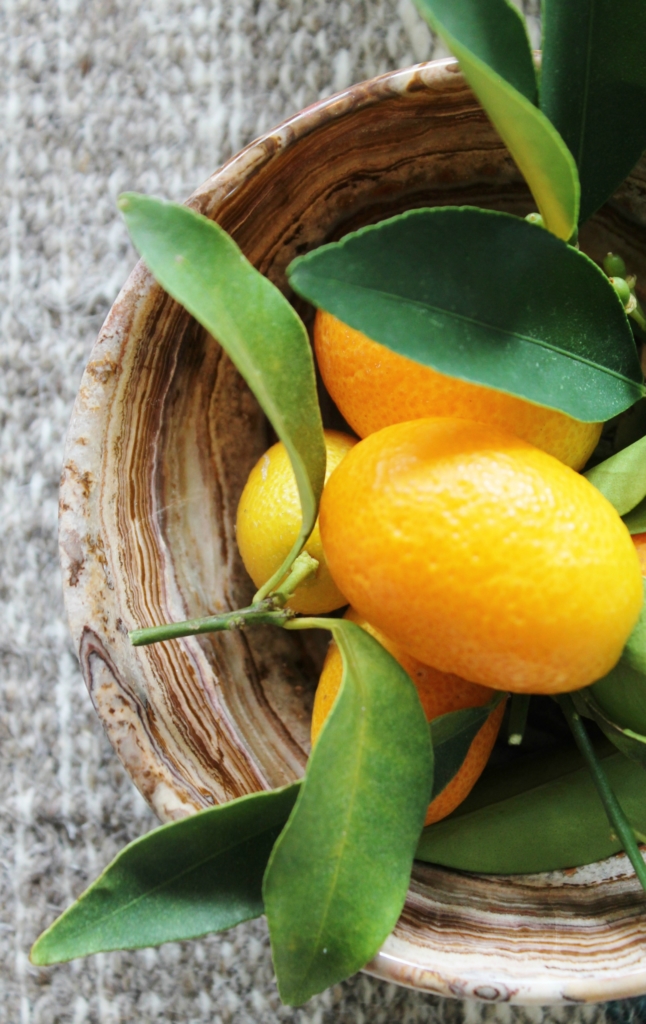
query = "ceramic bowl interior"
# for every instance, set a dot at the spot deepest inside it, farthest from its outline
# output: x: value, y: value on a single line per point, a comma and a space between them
x: 163, y: 435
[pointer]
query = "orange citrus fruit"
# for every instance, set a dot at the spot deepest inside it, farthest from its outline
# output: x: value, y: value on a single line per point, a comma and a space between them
x: 439, y: 693
x: 482, y: 555
x: 269, y: 518
x: 375, y: 387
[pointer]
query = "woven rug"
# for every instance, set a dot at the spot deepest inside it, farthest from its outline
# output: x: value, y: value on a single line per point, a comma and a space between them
x: 100, y: 96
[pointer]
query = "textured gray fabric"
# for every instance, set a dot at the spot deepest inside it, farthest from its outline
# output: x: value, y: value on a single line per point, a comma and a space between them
x: 101, y: 96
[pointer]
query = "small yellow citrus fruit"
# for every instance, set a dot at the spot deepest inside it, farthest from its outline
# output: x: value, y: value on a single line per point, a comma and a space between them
x: 439, y: 693
x: 269, y: 518
x: 375, y: 387
x: 482, y: 555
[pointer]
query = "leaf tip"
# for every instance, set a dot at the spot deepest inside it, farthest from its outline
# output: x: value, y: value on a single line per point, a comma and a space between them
x: 38, y: 953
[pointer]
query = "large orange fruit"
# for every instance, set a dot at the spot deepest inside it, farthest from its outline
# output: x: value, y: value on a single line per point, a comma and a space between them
x: 482, y: 555
x: 439, y: 693
x: 375, y: 387
x: 269, y: 518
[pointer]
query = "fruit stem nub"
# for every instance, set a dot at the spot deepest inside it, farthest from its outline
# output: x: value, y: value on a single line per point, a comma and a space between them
x: 613, y: 808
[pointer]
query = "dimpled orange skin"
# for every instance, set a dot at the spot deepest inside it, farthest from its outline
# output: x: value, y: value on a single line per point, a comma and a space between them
x: 482, y: 555
x: 439, y: 693
x: 375, y: 387
x: 269, y: 518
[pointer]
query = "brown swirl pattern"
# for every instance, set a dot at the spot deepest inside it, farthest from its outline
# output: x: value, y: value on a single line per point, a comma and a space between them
x: 162, y: 437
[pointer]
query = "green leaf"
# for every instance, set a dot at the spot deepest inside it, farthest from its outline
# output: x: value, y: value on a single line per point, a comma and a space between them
x: 542, y: 813
x: 452, y: 735
x: 485, y: 297
x: 337, y: 878
x: 635, y: 520
x: 630, y: 743
x: 197, y: 263
x: 489, y: 39
x: 593, y: 88
x: 197, y: 875
x: 634, y: 653
x: 622, y: 478
x: 621, y: 694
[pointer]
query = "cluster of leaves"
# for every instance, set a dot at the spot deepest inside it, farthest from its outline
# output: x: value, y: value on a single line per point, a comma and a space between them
x: 479, y: 295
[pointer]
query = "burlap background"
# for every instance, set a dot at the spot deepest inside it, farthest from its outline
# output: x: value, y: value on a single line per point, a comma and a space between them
x: 101, y: 96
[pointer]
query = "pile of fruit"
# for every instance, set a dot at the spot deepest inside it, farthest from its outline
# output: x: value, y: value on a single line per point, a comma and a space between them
x: 459, y: 532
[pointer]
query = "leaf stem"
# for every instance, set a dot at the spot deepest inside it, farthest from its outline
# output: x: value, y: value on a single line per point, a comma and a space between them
x: 269, y: 611
x: 637, y: 314
x: 517, y: 718
x: 612, y: 806
x: 312, y: 622
x: 265, y: 613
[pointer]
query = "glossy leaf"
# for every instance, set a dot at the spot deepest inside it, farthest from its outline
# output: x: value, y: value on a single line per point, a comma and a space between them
x: 593, y: 88
x: 629, y: 742
x: 338, y: 875
x: 485, y: 297
x: 541, y: 813
x: 490, y: 41
x: 622, y: 478
x: 452, y: 735
x: 197, y: 875
x: 197, y: 263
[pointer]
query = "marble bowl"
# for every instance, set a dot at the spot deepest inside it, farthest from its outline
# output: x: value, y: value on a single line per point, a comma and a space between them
x: 163, y: 434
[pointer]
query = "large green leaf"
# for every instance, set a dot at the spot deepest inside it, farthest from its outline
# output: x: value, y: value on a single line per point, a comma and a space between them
x: 622, y: 477
x: 338, y: 875
x: 198, y: 875
x: 537, y: 814
x: 452, y: 735
x: 593, y: 88
x: 485, y: 297
x: 489, y: 39
x: 197, y: 263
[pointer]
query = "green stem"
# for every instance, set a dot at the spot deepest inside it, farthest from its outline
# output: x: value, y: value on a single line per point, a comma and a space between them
x: 612, y: 806
x: 269, y: 611
x: 303, y: 568
x: 311, y: 622
x: 517, y: 718
x: 638, y: 316
x: 265, y: 612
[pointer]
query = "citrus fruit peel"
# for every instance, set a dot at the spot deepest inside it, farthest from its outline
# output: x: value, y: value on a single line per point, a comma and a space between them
x: 439, y: 693
x: 482, y: 555
x: 269, y: 519
x: 375, y: 387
